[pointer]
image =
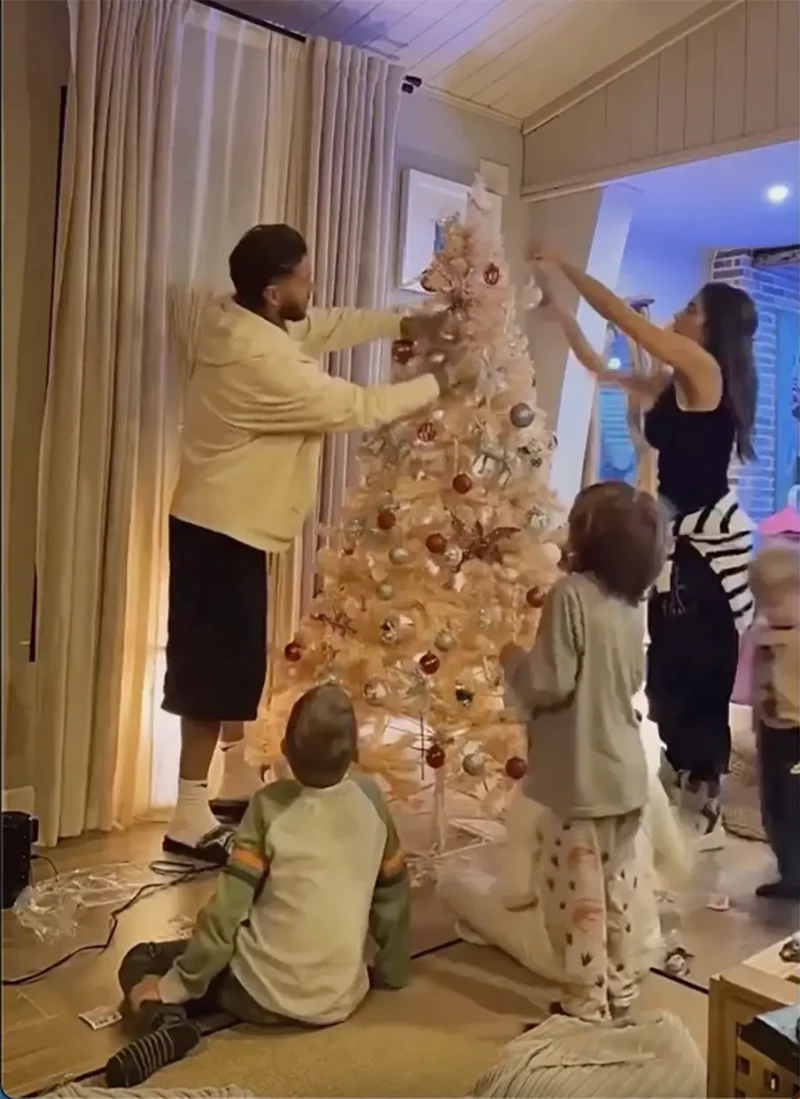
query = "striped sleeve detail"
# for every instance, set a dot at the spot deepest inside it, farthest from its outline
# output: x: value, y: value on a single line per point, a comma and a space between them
x: 393, y: 867
x: 246, y: 864
x: 723, y: 535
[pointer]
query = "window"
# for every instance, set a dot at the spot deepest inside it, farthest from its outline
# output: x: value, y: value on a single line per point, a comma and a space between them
x: 617, y: 460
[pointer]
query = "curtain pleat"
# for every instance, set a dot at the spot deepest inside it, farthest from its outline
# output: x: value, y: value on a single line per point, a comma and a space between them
x: 103, y: 435
x: 185, y: 126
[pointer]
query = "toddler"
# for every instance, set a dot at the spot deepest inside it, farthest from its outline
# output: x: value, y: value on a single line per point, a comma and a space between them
x: 315, y: 869
x: 587, y: 765
x: 775, y: 583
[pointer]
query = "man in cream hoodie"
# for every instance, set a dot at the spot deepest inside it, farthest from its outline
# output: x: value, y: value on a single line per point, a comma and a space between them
x: 257, y: 408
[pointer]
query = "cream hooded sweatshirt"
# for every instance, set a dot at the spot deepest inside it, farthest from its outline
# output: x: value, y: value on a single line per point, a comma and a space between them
x: 257, y: 407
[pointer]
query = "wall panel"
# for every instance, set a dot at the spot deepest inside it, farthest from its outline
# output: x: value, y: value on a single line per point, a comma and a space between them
x: 732, y: 83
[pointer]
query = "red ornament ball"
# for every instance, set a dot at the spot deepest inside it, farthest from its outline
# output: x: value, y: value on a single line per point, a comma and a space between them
x: 386, y: 520
x: 429, y: 662
x: 516, y: 768
x: 402, y: 351
x: 491, y: 276
x: 435, y: 757
x: 535, y: 597
x: 293, y: 651
x: 436, y: 543
x: 462, y: 483
x: 426, y: 432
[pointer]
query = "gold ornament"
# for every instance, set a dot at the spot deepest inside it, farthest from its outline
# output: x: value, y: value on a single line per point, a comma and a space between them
x: 385, y: 591
x: 444, y: 641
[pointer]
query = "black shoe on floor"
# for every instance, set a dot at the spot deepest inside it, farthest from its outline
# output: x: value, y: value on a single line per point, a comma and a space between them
x: 141, y: 1058
x: 779, y: 890
x: 213, y: 848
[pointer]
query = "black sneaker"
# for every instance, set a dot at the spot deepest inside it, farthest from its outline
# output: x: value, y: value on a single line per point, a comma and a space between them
x: 779, y: 890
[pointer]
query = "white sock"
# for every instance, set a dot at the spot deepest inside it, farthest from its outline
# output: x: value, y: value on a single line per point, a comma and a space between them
x: 239, y: 779
x: 192, y: 818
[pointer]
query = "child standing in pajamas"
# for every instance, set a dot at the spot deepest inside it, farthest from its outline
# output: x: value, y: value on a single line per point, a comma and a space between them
x: 586, y: 762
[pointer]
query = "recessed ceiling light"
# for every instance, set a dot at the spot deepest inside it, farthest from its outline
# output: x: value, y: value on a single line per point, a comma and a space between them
x: 778, y: 192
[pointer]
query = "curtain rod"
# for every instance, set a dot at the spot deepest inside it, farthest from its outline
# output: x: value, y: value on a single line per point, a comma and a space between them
x: 410, y: 83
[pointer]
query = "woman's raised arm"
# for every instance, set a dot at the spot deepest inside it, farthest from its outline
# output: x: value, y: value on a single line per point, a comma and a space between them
x: 697, y: 372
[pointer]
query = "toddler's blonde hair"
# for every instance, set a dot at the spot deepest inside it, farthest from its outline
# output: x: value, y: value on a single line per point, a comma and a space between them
x: 776, y: 567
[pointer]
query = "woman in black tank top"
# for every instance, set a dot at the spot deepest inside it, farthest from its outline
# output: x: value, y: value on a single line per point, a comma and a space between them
x: 699, y: 410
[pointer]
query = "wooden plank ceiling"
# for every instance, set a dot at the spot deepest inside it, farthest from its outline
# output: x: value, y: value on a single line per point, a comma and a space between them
x: 510, y: 57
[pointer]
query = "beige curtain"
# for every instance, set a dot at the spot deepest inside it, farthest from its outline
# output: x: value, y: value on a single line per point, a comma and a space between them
x: 102, y: 461
x: 349, y: 130
x: 237, y: 163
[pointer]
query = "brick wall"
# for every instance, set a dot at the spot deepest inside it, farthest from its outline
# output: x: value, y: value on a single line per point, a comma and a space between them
x: 772, y: 289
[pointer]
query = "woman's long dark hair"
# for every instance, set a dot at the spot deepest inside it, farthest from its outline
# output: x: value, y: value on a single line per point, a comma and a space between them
x: 731, y: 322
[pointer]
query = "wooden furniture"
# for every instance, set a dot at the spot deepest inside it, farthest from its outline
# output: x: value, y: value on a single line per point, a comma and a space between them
x: 761, y: 984
x: 768, y: 1055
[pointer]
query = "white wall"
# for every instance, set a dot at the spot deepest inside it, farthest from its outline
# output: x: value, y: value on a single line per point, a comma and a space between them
x: 446, y: 141
x: 662, y: 268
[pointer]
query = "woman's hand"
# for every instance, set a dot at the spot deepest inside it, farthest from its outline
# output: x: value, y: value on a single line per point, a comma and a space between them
x: 145, y: 992
x: 548, y: 306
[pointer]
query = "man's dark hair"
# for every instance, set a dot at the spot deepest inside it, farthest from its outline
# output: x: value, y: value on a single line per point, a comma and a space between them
x: 618, y: 534
x: 265, y: 254
x: 321, y: 740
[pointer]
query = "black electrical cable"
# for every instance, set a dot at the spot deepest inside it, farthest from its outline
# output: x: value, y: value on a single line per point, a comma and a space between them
x: 177, y: 872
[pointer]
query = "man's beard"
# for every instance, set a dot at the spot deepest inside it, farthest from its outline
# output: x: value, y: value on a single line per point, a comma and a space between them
x: 293, y: 312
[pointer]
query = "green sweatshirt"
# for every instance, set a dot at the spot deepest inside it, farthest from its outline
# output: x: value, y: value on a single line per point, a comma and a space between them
x: 315, y: 879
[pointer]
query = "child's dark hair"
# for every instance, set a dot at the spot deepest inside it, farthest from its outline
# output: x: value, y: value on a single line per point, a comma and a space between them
x: 321, y: 741
x: 618, y: 534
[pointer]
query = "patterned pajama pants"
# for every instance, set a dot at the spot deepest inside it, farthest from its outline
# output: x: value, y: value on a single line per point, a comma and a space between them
x: 587, y: 891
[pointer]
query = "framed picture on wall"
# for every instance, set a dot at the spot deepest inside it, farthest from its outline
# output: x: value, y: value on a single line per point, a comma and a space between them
x: 425, y: 204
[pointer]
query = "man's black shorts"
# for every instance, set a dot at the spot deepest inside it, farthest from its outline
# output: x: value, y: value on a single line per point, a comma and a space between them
x: 217, y: 626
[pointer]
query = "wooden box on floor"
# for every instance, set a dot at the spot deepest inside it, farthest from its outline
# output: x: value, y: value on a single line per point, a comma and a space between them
x: 762, y: 983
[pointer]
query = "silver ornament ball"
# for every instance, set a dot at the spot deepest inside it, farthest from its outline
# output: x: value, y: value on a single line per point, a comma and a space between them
x: 464, y: 695
x: 474, y: 764
x: 385, y: 591
x: 399, y: 555
x: 354, y: 526
x: 538, y: 520
x: 522, y: 415
x: 452, y: 556
x: 444, y: 641
x: 384, y: 502
x: 374, y: 690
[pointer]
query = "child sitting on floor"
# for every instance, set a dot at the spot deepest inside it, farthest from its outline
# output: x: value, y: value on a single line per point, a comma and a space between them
x: 315, y: 868
x: 587, y: 766
x: 775, y: 583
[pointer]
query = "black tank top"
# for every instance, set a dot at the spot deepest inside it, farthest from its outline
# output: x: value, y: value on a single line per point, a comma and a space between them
x: 694, y: 451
